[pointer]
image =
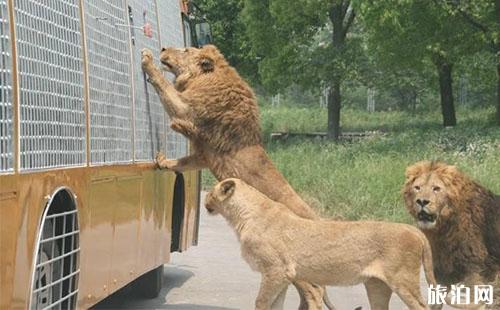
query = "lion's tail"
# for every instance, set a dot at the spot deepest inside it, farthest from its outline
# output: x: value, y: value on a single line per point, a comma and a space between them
x: 427, y: 262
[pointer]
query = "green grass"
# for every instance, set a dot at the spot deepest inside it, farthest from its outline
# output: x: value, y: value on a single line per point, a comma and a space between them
x: 361, y: 179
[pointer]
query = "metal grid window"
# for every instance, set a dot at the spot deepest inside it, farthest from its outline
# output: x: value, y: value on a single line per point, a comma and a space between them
x: 149, y: 113
x: 6, y: 113
x: 55, y: 282
x: 109, y: 81
x: 52, y: 115
x: 171, y: 35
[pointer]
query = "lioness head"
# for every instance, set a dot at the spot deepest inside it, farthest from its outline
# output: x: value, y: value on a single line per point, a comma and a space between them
x: 427, y: 192
x: 190, y: 61
x: 216, y: 199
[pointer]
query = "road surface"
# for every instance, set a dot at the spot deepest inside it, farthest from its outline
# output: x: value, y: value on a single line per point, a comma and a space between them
x: 213, y: 276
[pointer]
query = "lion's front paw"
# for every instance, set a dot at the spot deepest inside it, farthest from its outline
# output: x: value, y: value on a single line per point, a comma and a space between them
x: 162, y: 162
x: 159, y: 158
x: 178, y: 126
x: 146, y: 57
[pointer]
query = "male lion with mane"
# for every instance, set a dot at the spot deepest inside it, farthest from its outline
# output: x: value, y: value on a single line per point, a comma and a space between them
x: 214, y: 107
x: 460, y: 218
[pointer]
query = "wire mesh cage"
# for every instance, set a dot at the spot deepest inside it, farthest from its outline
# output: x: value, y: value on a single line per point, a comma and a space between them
x: 171, y: 35
x: 55, y: 280
x: 149, y: 113
x: 52, y: 114
x: 110, y: 94
x: 6, y: 111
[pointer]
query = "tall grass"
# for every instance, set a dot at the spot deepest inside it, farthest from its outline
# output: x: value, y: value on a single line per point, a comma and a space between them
x: 361, y: 179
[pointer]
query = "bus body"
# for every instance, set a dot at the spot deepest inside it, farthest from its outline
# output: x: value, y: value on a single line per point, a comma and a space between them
x: 83, y: 211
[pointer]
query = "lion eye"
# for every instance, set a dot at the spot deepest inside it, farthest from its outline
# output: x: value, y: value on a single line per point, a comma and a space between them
x: 436, y: 189
x: 417, y: 188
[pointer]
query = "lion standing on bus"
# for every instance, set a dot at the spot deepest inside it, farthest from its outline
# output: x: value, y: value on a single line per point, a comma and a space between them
x: 217, y: 111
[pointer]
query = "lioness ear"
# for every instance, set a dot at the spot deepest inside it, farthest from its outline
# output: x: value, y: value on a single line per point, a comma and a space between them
x: 207, y: 64
x: 226, y: 189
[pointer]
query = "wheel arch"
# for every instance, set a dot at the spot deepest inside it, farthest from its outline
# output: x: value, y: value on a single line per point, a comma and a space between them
x: 68, y: 202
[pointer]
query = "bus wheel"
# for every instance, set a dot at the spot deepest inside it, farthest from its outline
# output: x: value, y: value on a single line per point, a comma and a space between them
x: 55, y: 264
x: 47, y: 272
x: 149, y: 284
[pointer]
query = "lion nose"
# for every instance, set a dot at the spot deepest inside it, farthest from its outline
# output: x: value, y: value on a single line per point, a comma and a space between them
x: 163, y: 49
x: 422, y: 202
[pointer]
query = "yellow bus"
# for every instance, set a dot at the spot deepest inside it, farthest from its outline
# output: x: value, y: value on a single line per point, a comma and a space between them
x: 83, y: 211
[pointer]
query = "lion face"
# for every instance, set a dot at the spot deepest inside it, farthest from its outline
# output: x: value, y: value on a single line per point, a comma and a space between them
x: 429, y: 200
x: 189, y: 62
x: 216, y: 199
x: 426, y: 194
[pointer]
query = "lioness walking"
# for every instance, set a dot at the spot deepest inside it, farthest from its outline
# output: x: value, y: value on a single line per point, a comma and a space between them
x: 386, y: 257
x: 216, y: 109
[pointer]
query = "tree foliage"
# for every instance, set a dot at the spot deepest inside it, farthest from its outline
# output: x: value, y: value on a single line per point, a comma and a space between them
x: 228, y: 33
x: 484, y: 17
x: 414, y: 34
x: 405, y: 49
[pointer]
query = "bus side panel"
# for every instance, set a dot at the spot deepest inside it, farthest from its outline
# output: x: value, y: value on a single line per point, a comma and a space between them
x: 10, y: 225
x: 23, y: 200
x: 97, y: 239
x: 148, y: 248
x: 126, y: 214
x: 165, y: 195
x: 191, y: 209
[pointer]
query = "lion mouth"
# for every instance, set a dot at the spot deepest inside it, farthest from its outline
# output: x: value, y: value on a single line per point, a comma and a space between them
x: 426, y: 217
x: 169, y: 67
x: 210, y: 210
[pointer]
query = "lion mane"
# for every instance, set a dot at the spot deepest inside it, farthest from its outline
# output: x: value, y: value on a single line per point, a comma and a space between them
x: 468, y: 241
x: 227, y: 115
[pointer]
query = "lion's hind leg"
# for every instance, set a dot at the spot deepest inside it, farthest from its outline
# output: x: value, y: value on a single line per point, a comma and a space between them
x: 379, y: 294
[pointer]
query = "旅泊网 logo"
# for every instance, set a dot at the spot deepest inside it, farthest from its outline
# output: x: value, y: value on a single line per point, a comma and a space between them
x: 460, y: 295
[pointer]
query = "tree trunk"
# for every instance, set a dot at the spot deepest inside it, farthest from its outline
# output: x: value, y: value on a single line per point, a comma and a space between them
x: 334, y: 104
x: 498, y: 94
x: 446, y: 90
x: 342, y: 16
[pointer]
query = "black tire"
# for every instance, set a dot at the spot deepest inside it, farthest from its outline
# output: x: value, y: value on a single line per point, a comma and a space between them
x: 149, y: 284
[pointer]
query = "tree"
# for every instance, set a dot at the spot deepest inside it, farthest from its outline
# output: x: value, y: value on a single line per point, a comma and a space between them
x: 484, y: 17
x: 409, y: 34
x: 229, y: 35
x: 341, y: 15
x: 303, y: 42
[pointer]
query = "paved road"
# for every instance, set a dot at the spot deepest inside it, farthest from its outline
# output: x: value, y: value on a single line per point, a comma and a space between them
x: 213, y: 276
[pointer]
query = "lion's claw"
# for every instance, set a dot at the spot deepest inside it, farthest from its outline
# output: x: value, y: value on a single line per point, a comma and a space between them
x: 146, y: 56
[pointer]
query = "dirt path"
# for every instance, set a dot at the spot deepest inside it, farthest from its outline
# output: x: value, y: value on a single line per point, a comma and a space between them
x: 213, y: 276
